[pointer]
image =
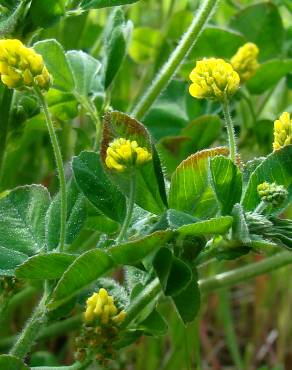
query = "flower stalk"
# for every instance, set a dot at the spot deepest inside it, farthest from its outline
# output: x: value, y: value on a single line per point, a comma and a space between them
x: 31, y: 330
x: 130, y: 208
x: 230, y: 129
x: 60, y: 166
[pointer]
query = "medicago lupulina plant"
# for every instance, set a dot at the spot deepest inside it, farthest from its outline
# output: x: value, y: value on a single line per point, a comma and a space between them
x: 138, y: 208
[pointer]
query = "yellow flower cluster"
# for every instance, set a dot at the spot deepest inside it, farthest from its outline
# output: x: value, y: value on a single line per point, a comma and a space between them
x: 272, y: 193
x: 213, y: 79
x: 282, y: 131
x: 123, y: 154
x: 101, y: 306
x: 245, y: 61
x: 22, y: 67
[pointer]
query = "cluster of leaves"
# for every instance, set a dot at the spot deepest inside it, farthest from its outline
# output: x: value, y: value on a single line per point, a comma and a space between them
x: 202, y: 204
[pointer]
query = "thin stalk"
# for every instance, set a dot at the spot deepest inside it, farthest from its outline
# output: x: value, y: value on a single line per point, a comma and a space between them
x: 169, y: 69
x: 6, y: 104
x: 3, y: 309
x: 60, y: 167
x: 265, y: 101
x: 250, y: 106
x: 197, y: 344
x: 30, y: 332
x: 188, y: 358
x: 90, y: 108
x: 230, y: 129
x: 77, y: 366
x: 130, y: 208
x: 229, y: 330
x: 170, y: 9
x: 261, y: 207
x: 239, y: 275
x: 145, y: 297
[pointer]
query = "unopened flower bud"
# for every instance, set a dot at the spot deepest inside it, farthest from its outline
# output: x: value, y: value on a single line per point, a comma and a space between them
x: 282, y: 131
x: 272, y: 193
x: 245, y: 61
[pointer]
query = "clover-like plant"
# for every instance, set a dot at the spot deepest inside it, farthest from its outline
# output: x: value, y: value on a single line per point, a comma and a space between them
x: 145, y: 201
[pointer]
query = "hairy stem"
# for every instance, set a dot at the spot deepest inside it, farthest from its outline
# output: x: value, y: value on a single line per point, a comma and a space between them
x: 261, y: 207
x: 30, y: 332
x: 230, y: 129
x: 146, y: 296
x: 239, y: 275
x: 60, y: 167
x: 130, y: 208
x: 170, y: 67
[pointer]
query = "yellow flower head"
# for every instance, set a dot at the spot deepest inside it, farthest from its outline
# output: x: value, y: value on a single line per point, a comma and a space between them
x: 245, y: 61
x: 272, y: 193
x: 123, y: 154
x: 282, y: 131
x: 213, y: 79
x: 22, y: 67
x: 101, y: 306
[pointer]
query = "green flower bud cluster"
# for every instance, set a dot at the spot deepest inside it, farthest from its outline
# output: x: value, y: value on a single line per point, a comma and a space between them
x: 97, y: 341
x: 272, y: 193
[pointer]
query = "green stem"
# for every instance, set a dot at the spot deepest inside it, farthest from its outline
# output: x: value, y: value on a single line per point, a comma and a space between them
x: 6, y: 104
x: 77, y: 366
x: 261, y: 207
x: 152, y: 290
x: 170, y: 67
x: 60, y: 167
x: 3, y: 309
x: 30, y: 331
x: 170, y: 9
x: 230, y: 129
x: 265, y: 101
x: 236, y: 276
x: 228, y: 324
x: 197, y: 345
x: 223, y: 280
x: 130, y: 208
x: 188, y: 358
x: 90, y: 108
x: 250, y: 106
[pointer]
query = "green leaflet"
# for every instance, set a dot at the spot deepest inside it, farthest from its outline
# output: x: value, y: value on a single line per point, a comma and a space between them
x: 45, y: 266
x: 22, y: 224
x: 190, y: 190
x: 227, y: 182
x: 97, y: 187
